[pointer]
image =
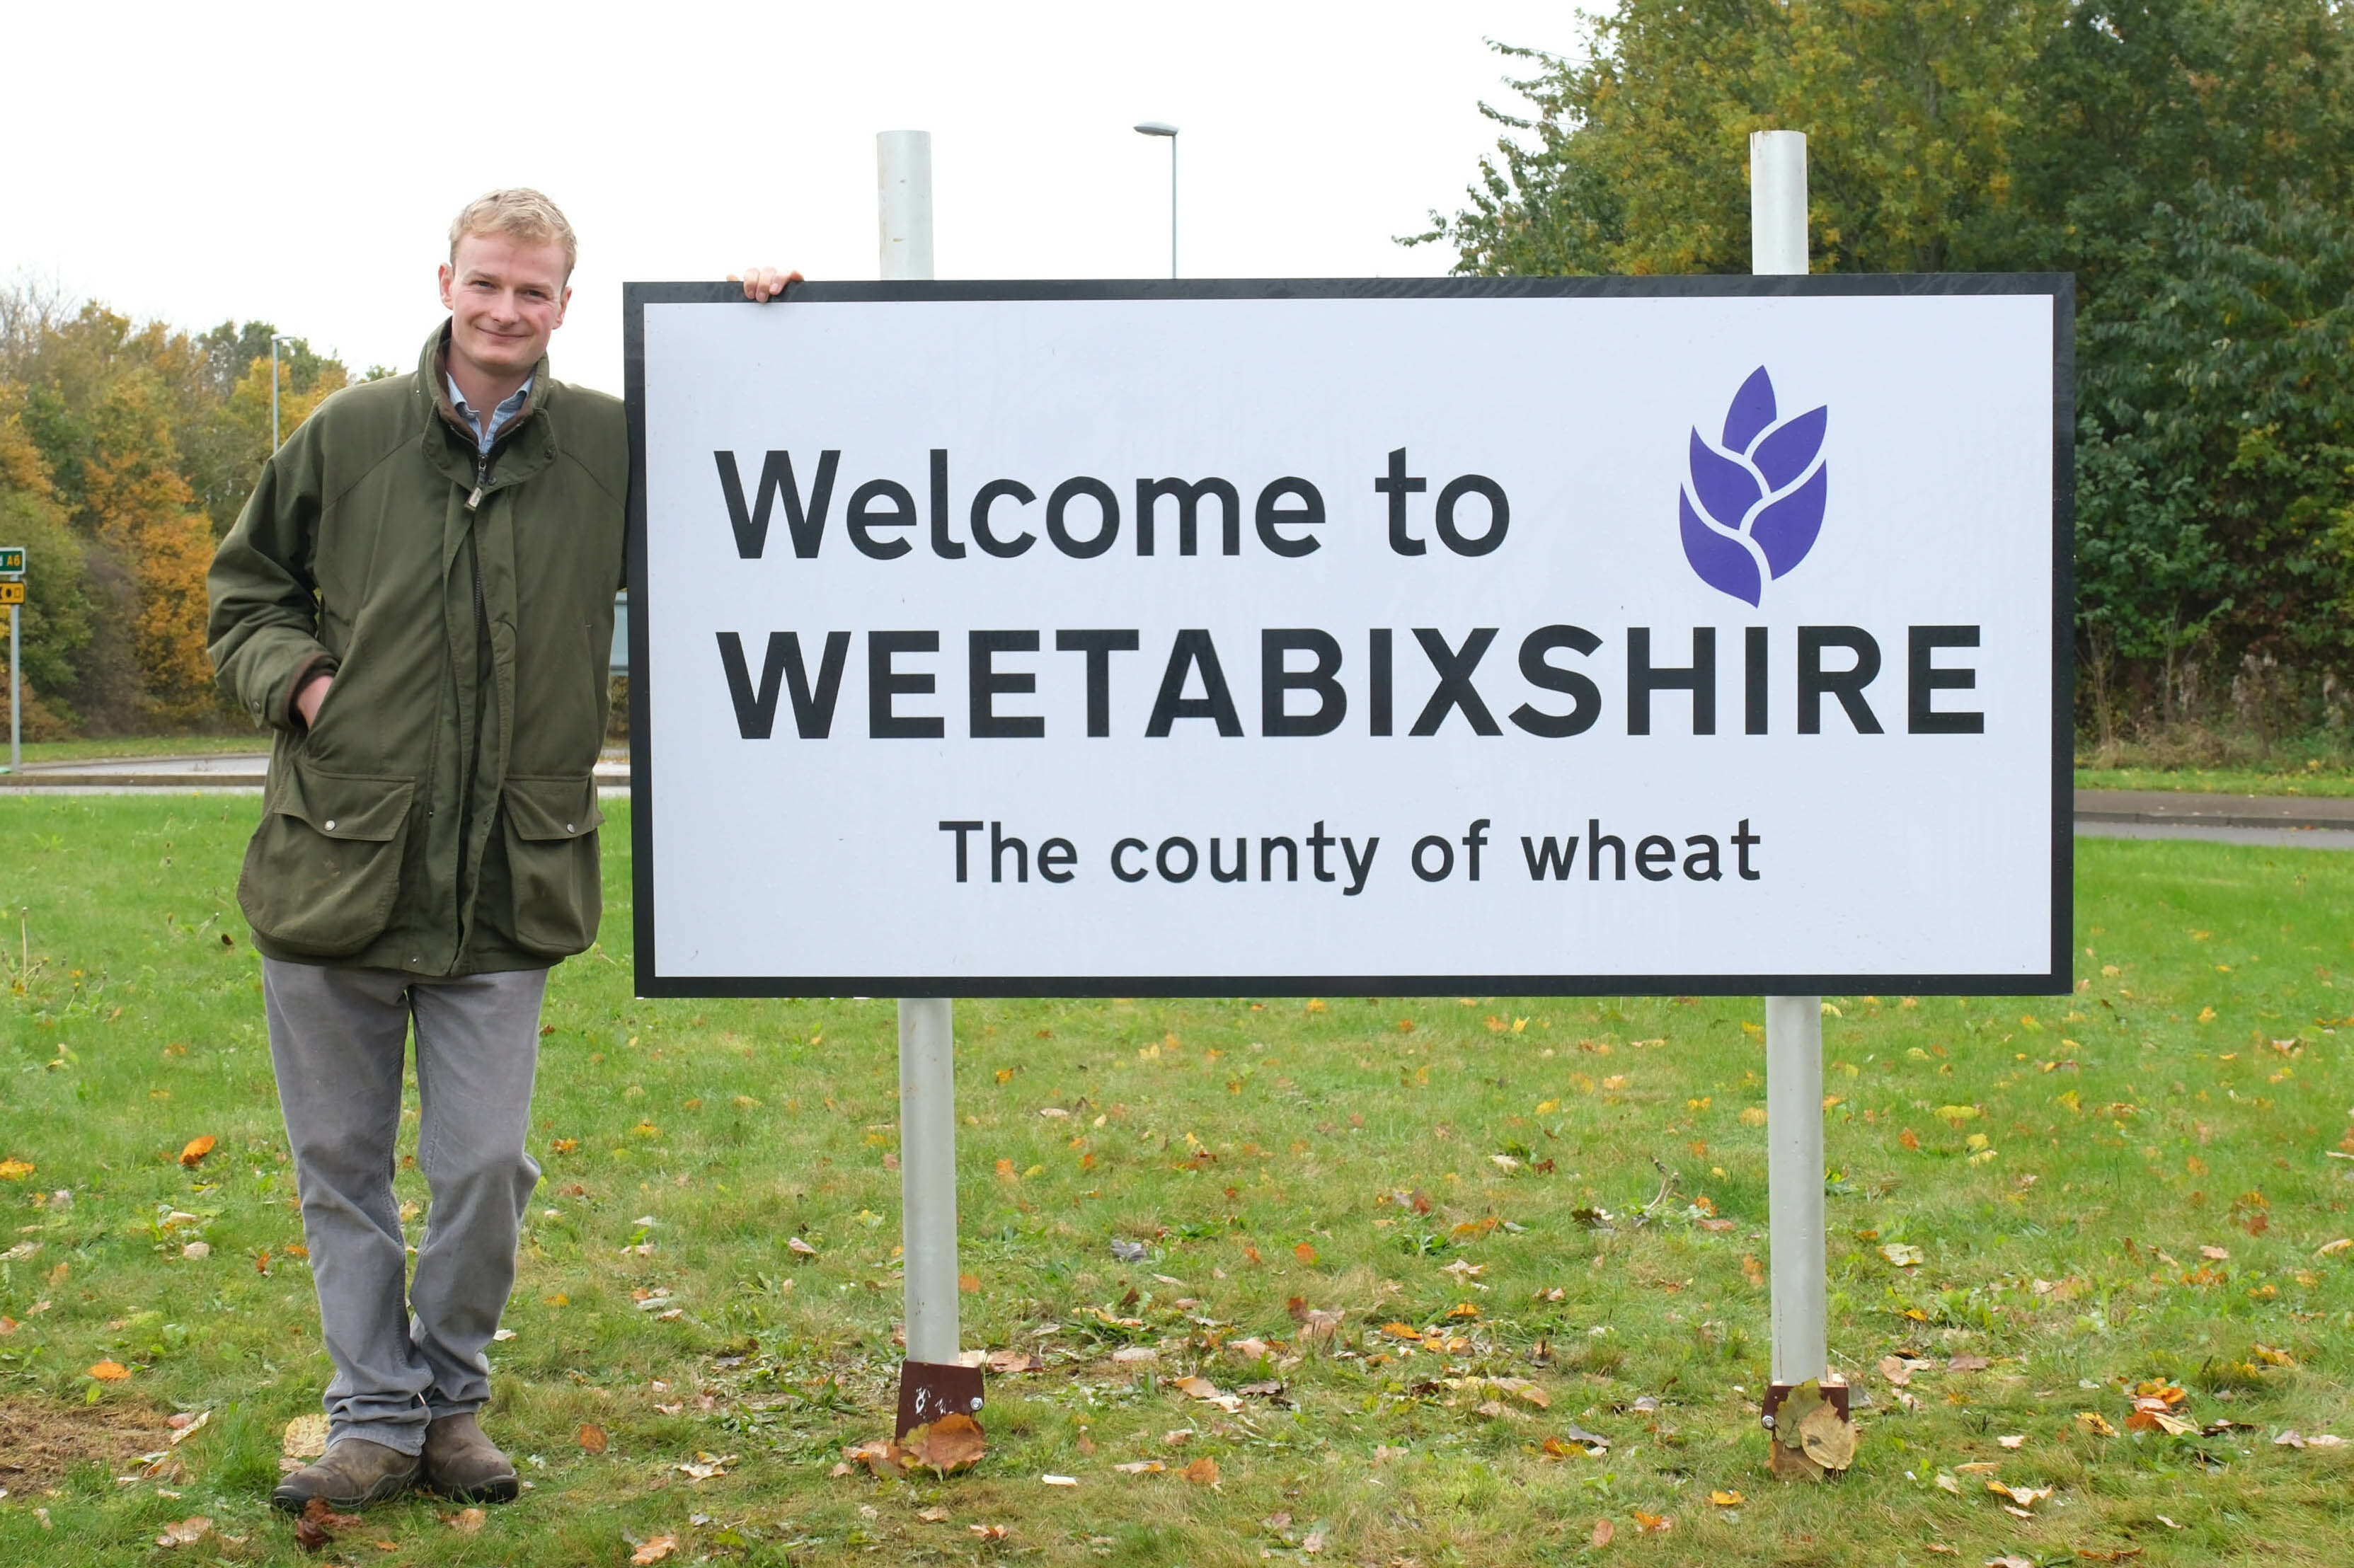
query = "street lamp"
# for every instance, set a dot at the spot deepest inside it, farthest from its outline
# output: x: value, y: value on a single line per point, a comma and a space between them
x: 1162, y: 128
x: 275, y: 339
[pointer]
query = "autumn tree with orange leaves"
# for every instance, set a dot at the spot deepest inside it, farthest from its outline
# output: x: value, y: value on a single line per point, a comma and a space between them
x: 125, y: 453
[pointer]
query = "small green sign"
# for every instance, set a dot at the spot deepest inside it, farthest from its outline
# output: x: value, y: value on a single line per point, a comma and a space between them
x: 12, y: 560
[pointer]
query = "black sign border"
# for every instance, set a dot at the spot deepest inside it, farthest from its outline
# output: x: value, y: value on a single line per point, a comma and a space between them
x: 2058, y: 978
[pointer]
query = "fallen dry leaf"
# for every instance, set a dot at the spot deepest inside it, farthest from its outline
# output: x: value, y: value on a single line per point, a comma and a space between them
x: 2151, y: 1415
x: 185, y: 1532
x: 881, y: 1457
x: 305, y: 1437
x: 1312, y: 1543
x: 796, y: 1245
x: 654, y: 1551
x: 196, y: 1148
x: 2214, y: 1254
x: 2093, y: 1424
x: 952, y: 1442
x: 2015, y: 1441
x: 1825, y: 1438
x: 2025, y: 1496
x: 988, y: 1531
x: 1603, y: 1530
x: 1141, y: 1467
x: 1968, y: 1365
x: 1652, y: 1524
x: 109, y: 1371
x: 1202, y: 1472
x: 1725, y: 1499
x: 592, y: 1438
x: 16, y: 1169
x: 933, y: 1515
x: 1893, y: 1369
x: 1902, y: 1255
x: 185, y: 1426
x: 319, y: 1523
x: 466, y: 1520
x: 1521, y: 1388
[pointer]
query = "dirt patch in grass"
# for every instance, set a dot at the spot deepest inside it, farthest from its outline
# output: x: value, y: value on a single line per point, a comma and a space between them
x: 39, y: 1438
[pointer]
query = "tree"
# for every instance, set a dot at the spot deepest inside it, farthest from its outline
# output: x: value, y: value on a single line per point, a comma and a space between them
x: 2215, y: 502
x: 2191, y: 162
x: 54, y: 622
x: 1641, y: 164
x: 125, y: 450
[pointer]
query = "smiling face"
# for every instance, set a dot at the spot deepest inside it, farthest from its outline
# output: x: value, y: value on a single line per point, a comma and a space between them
x: 505, y: 298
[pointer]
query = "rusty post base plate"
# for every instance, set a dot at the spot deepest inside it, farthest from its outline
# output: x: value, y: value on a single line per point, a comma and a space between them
x: 929, y: 1390
x: 1790, y: 1463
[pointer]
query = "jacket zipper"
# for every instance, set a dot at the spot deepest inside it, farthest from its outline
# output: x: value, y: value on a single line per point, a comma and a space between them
x: 482, y: 636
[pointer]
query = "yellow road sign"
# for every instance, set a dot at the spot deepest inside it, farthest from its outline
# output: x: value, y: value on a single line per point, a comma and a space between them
x: 12, y: 593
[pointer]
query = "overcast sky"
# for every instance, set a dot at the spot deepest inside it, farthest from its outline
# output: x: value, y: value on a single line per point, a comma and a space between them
x: 300, y: 163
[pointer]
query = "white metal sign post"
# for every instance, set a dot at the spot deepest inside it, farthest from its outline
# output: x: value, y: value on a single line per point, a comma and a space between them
x: 1797, y: 1253
x: 1569, y: 636
x: 932, y: 1382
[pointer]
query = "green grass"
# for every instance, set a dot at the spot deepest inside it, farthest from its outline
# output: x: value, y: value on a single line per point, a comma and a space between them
x: 1254, y: 1146
x: 237, y: 744
x: 2308, y: 780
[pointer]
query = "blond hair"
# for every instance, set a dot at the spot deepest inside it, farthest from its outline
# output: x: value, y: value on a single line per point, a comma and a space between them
x: 520, y: 213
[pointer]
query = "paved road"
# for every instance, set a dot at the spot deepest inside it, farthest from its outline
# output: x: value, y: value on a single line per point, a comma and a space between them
x: 239, y: 773
x: 2287, y: 822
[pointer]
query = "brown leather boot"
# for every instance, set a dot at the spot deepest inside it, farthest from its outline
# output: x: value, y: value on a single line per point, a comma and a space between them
x: 352, y: 1474
x: 460, y: 1463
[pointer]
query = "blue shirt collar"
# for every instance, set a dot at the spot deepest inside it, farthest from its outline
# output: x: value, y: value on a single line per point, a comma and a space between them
x: 509, y: 407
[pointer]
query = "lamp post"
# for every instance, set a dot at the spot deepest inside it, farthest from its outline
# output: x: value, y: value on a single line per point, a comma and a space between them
x: 1162, y: 128
x: 275, y: 339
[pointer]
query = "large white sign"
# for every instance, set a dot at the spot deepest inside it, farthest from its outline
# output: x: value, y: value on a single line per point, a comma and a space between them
x: 1579, y: 635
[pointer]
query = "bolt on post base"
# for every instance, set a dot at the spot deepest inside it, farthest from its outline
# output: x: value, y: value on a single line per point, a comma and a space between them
x: 929, y: 1390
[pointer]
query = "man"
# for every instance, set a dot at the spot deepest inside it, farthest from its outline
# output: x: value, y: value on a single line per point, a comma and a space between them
x: 419, y: 598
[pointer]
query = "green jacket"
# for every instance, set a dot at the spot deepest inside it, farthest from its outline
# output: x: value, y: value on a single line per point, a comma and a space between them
x: 440, y: 816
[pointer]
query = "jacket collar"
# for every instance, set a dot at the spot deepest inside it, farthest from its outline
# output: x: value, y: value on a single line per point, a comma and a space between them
x: 526, y: 444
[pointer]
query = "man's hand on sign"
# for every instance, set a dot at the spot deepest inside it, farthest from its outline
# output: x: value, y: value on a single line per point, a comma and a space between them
x: 762, y: 284
x: 314, y: 693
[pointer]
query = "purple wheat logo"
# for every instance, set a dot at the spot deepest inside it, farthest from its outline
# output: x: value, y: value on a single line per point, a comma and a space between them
x: 1754, y: 504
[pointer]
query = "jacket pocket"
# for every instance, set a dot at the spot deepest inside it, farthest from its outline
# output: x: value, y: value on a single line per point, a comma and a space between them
x: 323, y: 868
x: 550, y: 827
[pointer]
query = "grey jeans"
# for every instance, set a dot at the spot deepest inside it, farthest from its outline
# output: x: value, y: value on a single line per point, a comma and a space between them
x: 337, y: 1037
